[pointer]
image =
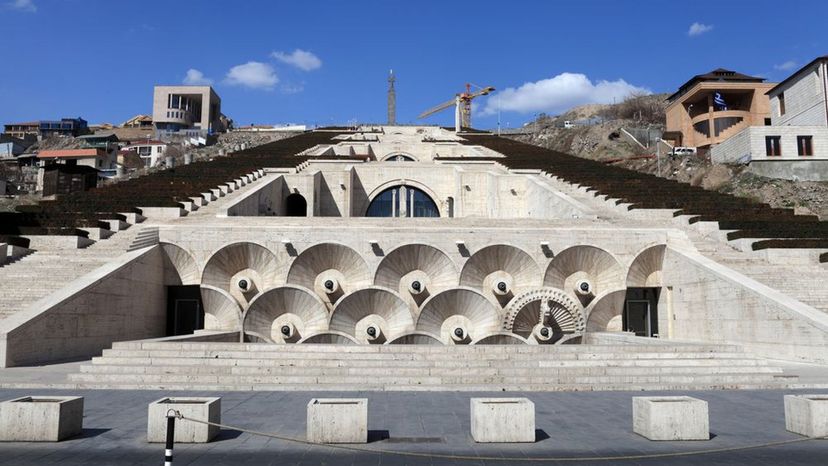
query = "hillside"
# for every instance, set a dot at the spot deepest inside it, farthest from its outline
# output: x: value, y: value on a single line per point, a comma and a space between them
x: 604, y: 141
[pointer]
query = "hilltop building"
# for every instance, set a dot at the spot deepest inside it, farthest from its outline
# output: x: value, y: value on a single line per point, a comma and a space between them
x: 711, y: 107
x: 192, y: 110
x: 795, y: 144
x: 45, y: 128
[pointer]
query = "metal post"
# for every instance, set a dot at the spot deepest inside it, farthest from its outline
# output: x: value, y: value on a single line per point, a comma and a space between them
x: 168, y: 451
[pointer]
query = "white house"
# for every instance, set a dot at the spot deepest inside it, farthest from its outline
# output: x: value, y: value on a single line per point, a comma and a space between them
x: 795, y: 145
x: 151, y: 151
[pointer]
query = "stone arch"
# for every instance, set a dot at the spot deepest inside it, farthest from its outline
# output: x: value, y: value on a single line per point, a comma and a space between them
x: 329, y: 338
x: 500, y: 272
x: 502, y: 338
x: 242, y: 263
x: 646, y: 268
x: 294, y: 308
x: 604, y: 313
x: 374, y: 308
x: 179, y: 266
x: 392, y: 156
x: 221, y: 311
x: 529, y: 313
x: 402, y: 182
x: 416, y: 271
x: 576, y: 265
x: 333, y: 264
x: 416, y: 338
x: 459, y: 308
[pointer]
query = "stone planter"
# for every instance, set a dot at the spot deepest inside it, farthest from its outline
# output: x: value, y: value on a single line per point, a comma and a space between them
x: 502, y: 420
x: 201, y: 408
x: 338, y: 420
x: 41, y: 418
x: 671, y: 418
x: 807, y: 414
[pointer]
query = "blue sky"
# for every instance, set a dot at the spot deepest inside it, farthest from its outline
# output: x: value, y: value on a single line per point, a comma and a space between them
x: 327, y: 62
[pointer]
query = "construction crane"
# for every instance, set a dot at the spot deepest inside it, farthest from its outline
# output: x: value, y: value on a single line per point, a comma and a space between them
x: 462, y: 106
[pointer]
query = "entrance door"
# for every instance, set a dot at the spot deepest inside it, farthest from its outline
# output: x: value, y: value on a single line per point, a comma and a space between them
x: 641, y: 311
x: 638, y: 318
x: 185, y: 313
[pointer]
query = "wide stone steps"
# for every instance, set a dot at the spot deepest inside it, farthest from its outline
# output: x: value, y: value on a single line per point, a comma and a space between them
x: 256, y: 366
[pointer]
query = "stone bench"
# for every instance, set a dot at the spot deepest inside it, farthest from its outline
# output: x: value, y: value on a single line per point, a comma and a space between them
x: 670, y: 418
x: 41, y: 418
x: 338, y: 420
x: 807, y: 415
x: 502, y: 420
x: 186, y: 431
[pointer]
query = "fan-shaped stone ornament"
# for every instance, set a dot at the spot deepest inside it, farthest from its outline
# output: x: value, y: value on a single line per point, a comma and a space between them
x: 459, y: 316
x: 242, y: 269
x: 221, y: 311
x: 645, y: 270
x: 584, y: 272
x: 500, y: 271
x: 416, y: 271
x: 546, y: 315
x: 372, y: 315
x: 285, y: 314
x: 331, y: 270
x: 179, y: 266
x: 329, y: 338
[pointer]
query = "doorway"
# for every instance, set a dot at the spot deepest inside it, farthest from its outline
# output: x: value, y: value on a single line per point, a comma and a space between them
x: 641, y: 311
x: 185, y: 313
x: 296, y: 206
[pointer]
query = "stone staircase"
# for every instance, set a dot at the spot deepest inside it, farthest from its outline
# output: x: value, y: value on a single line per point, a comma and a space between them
x: 48, y: 270
x: 256, y: 366
x: 147, y: 236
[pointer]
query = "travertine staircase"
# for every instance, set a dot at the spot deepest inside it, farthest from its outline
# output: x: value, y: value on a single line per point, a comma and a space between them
x: 256, y: 366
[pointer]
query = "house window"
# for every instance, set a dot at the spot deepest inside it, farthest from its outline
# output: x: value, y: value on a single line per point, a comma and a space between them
x: 767, y: 121
x: 773, y: 146
x: 804, y: 146
x: 781, y: 103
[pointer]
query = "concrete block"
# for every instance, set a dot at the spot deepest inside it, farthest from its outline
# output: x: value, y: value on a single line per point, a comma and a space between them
x: 162, y: 212
x: 58, y: 241
x: 502, y: 420
x: 671, y: 418
x: 97, y: 234
x: 202, y: 408
x: 338, y: 420
x: 807, y: 415
x: 41, y: 418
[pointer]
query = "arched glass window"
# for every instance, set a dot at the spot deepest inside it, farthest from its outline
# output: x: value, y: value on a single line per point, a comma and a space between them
x: 399, y: 158
x: 402, y: 201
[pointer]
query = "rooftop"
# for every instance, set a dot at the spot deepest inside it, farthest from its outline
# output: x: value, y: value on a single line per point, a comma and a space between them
x: 720, y: 75
x: 70, y: 153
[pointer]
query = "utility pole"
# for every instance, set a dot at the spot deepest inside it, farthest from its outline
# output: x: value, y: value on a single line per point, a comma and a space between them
x: 392, y: 99
x: 658, y: 157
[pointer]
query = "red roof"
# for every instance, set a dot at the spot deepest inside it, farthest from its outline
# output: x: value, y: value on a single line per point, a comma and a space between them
x: 70, y: 153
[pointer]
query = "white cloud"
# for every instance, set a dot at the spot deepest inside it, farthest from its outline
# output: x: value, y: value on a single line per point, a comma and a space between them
x: 299, y: 58
x: 23, y: 5
x: 196, y: 78
x: 559, y: 93
x: 697, y: 29
x: 252, y: 74
x: 787, y: 66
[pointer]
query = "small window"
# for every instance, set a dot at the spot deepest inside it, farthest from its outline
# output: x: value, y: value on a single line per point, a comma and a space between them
x: 773, y: 146
x: 781, y: 103
x: 767, y: 121
x: 804, y: 146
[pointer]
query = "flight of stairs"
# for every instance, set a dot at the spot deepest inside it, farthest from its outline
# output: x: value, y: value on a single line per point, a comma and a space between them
x: 258, y: 366
x: 48, y: 270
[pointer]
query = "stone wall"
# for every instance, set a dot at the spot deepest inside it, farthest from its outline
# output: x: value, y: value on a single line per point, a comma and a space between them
x: 123, y: 300
x: 713, y: 303
x: 804, y: 99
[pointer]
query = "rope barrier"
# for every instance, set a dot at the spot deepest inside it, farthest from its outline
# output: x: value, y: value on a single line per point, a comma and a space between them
x: 501, y: 458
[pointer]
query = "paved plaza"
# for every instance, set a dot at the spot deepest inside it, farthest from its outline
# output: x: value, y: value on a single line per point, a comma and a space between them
x: 594, y: 428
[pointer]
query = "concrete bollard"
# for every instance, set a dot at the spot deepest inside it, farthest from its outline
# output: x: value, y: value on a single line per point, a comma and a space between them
x: 338, y: 420
x: 671, y: 418
x: 502, y: 420
x: 807, y: 415
x: 41, y: 418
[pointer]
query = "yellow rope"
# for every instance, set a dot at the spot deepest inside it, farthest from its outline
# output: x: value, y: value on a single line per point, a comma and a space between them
x: 500, y: 458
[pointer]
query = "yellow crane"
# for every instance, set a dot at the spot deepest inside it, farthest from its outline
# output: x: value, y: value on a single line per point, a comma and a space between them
x: 462, y: 106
